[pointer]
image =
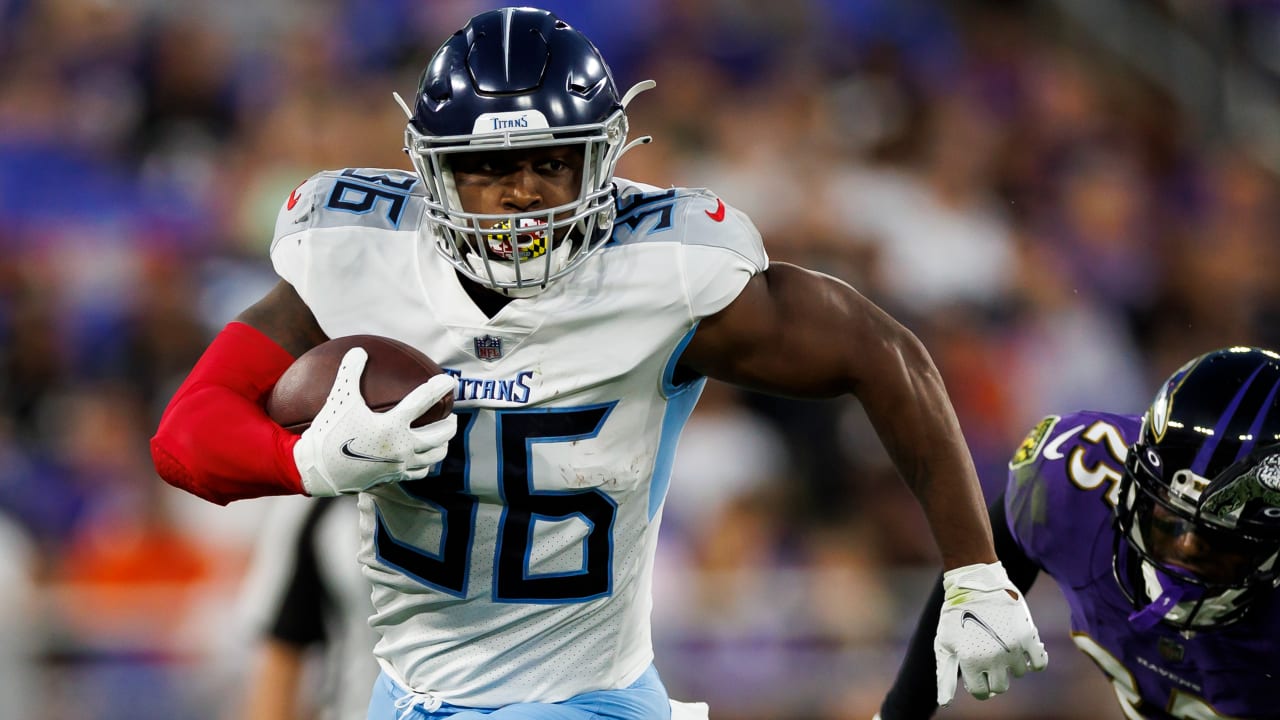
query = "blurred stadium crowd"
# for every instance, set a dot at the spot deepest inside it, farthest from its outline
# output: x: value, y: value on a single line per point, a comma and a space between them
x: 1060, y: 231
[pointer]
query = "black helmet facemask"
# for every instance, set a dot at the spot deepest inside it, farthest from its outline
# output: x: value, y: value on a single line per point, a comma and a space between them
x: 1207, y: 462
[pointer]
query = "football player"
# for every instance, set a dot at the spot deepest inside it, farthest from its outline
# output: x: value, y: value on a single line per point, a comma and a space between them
x: 1162, y: 531
x: 511, y: 546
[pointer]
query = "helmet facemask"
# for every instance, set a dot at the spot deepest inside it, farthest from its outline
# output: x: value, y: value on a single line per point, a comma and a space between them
x: 518, y: 79
x: 1232, y: 568
x: 548, y: 242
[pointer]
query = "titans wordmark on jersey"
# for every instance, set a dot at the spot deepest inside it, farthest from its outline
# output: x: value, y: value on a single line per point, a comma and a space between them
x: 521, y: 571
x: 1063, y: 484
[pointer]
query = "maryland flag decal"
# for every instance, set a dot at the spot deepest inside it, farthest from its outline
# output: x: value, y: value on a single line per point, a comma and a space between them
x: 528, y: 245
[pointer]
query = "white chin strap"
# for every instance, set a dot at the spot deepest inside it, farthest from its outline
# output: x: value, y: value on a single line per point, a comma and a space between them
x: 532, y: 271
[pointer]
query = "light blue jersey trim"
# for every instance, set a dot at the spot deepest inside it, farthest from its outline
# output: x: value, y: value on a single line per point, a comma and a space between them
x: 680, y: 403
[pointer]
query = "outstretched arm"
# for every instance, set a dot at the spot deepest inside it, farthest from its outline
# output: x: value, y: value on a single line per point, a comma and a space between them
x: 796, y: 332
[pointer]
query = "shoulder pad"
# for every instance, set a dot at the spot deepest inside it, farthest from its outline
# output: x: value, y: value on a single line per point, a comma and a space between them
x: 698, y: 217
x: 1095, y: 437
x: 367, y: 197
x: 1066, y: 473
x: 712, y: 223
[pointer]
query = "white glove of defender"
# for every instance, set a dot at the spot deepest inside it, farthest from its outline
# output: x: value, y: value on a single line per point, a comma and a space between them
x: 350, y: 448
x: 984, y: 633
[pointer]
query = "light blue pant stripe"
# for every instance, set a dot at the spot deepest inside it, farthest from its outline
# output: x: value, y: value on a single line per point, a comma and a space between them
x: 645, y: 699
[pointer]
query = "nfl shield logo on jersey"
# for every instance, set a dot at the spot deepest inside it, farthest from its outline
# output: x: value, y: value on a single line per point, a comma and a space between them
x: 488, y: 347
x: 1170, y: 649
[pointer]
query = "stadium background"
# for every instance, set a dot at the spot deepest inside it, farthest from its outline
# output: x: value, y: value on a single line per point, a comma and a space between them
x: 1064, y: 199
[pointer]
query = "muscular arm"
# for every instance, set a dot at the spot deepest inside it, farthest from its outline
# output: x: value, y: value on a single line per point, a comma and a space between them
x: 282, y: 316
x: 796, y: 332
x: 214, y: 439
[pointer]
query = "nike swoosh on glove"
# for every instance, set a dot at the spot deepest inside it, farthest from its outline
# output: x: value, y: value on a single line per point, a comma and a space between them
x: 350, y: 448
x: 985, y: 632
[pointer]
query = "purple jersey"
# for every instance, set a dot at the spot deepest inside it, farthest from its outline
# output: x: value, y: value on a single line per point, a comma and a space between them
x: 1063, y: 484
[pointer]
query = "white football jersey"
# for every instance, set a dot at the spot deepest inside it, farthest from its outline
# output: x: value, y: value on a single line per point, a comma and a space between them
x: 521, y: 570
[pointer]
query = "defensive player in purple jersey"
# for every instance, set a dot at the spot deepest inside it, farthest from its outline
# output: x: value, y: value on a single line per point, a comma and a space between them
x: 1162, y: 531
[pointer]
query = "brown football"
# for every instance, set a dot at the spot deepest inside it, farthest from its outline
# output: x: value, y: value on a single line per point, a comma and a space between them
x: 394, y: 369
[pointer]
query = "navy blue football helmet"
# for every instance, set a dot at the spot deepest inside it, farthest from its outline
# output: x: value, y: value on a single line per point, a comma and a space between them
x: 518, y: 78
x: 1207, y: 462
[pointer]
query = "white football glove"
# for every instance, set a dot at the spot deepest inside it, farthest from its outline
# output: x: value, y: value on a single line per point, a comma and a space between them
x: 350, y: 448
x: 984, y: 633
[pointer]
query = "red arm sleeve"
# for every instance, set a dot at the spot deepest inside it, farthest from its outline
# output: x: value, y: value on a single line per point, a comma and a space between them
x: 215, y: 439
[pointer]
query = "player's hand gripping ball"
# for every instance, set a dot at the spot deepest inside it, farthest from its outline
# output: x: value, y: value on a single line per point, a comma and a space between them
x: 370, y: 410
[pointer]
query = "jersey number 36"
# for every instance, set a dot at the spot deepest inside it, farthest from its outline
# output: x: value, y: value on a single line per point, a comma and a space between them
x: 517, y: 431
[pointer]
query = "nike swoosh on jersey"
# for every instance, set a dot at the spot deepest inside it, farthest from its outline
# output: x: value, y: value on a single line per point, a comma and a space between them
x: 355, y: 455
x: 967, y: 616
x: 718, y: 215
x: 1052, y: 450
